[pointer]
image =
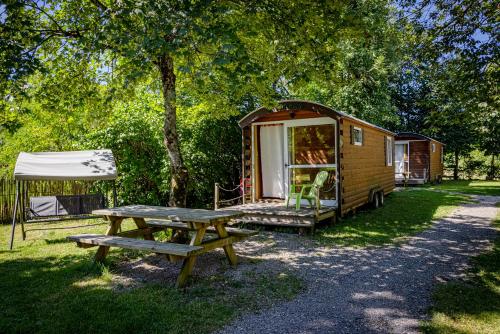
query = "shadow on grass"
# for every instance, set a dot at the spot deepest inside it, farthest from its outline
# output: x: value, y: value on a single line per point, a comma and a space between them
x: 405, y: 213
x: 472, y: 305
x: 57, y: 241
x: 474, y: 187
x: 70, y: 294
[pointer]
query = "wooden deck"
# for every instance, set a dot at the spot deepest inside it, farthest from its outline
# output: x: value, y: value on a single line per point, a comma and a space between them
x: 411, y: 181
x: 275, y: 213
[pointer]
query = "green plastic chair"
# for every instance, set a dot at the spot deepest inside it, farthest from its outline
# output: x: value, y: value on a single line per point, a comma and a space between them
x: 319, y: 180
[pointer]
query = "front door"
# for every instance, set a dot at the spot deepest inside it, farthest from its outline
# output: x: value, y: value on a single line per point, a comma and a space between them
x: 401, y: 159
x: 271, y: 159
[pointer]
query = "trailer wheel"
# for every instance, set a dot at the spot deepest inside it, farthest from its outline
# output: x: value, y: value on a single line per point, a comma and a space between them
x: 381, y: 200
x: 376, y: 201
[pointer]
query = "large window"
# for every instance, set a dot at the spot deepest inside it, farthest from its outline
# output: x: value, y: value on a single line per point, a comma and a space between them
x: 311, y: 149
x: 388, y: 151
x: 311, y: 145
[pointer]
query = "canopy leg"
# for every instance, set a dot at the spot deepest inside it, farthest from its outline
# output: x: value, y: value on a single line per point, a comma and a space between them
x: 16, y: 202
x: 23, y: 231
x: 24, y: 193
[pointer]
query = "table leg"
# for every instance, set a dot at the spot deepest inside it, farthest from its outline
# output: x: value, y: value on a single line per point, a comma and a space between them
x: 114, y: 226
x: 228, y: 249
x: 188, y: 263
x: 141, y: 224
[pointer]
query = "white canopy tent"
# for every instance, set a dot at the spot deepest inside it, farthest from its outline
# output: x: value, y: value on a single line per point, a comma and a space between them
x: 60, y: 166
x: 92, y: 165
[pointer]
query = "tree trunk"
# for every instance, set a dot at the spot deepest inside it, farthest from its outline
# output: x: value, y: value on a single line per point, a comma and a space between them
x: 179, y: 178
x: 491, y: 173
x: 455, y: 168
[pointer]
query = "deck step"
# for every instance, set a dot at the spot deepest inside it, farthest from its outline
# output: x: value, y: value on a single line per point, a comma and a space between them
x: 237, y: 232
x: 138, y: 244
x: 273, y: 223
x: 276, y: 219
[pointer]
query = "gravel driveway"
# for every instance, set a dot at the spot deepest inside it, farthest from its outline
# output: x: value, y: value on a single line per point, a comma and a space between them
x: 374, y: 290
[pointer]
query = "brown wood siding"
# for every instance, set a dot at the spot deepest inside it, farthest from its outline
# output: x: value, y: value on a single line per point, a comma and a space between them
x: 247, y: 161
x: 285, y: 115
x: 436, y: 166
x: 419, y: 158
x: 363, y: 167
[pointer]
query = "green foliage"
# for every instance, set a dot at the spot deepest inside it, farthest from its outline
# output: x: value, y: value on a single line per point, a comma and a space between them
x: 212, y: 149
x: 89, y: 65
x: 474, y: 165
x: 132, y: 133
x: 449, y: 88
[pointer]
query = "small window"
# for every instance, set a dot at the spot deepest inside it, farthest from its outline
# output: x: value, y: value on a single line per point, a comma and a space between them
x: 357, y: 136
x: 388, y: 151
x: 433, y: 147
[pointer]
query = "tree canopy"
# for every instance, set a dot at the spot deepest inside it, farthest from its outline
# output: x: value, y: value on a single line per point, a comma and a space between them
x: 174, y: 75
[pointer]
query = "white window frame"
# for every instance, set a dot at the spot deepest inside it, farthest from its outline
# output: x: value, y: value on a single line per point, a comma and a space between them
x: 388, y: 149
x: 357, y: 143
x: 433, y: 148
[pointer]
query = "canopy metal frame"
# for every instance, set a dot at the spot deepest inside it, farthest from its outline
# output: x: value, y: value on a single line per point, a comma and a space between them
x: 95, y: 165
x: 21, y: 199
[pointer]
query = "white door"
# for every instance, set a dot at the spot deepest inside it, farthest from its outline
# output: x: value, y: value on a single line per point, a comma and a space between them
x: 401, y: 159
x: 272, y: 164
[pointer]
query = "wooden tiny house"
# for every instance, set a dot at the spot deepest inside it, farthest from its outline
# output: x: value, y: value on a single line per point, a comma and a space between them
x: 418, y: 159
x: 291, y: 143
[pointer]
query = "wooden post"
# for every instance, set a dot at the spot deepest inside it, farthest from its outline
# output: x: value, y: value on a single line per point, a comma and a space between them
x: 141, y: 224
x: 216, y: 196
x: 188, y: 263
x: 228, y: 249
x: 243, y: 164
x: 16, y: 201
x: 114, y: 225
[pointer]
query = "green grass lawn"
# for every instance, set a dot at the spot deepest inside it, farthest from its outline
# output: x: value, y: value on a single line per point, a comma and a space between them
x: 405, y: 213
x: 472, y: 306
x: 48, y: 285
x: 470, y: 187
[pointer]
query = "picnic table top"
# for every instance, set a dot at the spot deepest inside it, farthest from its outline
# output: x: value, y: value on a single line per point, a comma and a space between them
x: 172, y: 213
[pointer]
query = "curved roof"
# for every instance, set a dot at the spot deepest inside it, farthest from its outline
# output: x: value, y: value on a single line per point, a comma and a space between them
x: 75, y: 165
x: 302, y: 105
x: 417, y: 135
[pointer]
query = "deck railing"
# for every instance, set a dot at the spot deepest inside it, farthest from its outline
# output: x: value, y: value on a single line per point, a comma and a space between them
x: 240, y: 199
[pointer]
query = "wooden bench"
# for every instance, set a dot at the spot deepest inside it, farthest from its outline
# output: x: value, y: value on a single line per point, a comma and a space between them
x: 198, y: 221
x: 138, y: 244
x: 235, y: 232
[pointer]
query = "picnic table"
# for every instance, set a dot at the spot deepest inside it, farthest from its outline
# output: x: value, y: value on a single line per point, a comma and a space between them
x: 200, y: 222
